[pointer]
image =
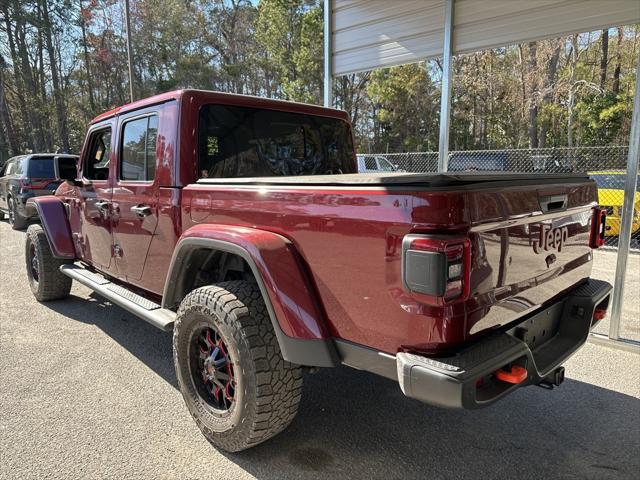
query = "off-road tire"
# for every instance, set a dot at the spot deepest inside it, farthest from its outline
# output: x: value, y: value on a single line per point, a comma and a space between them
x: 50, y: 283
x: 268, y: 388
x: 17, y: 221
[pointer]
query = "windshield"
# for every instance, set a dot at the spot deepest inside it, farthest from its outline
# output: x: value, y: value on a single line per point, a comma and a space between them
x: 41, y: 167
x: 385, y: 165
x: 614, y: 181
x: 250, y: 142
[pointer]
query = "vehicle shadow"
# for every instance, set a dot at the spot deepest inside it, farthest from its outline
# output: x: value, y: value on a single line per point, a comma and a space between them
x: 147, y: 343
x: 353, y: 424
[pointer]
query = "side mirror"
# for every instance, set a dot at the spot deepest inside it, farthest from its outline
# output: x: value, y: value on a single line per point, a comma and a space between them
x: 66, y: 168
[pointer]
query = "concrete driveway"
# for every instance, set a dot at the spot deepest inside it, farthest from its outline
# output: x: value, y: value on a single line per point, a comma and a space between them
x: 88, y: 391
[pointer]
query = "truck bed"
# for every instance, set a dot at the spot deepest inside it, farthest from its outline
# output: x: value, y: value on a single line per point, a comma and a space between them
x: 348, y: 230
x: 400, y: 179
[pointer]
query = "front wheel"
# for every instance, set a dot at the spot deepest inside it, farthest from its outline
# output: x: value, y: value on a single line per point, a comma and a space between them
x: 43, y: 269
x: 235, y: 383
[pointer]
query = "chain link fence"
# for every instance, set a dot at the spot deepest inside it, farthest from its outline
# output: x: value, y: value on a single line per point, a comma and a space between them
x: 606, y: 165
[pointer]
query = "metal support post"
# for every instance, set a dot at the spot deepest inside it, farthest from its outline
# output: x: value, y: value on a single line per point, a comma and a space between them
x: 445, y: 99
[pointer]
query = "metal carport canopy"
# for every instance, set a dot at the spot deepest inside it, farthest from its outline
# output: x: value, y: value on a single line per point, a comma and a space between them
x: 362, y: 35
x: 368, y: 34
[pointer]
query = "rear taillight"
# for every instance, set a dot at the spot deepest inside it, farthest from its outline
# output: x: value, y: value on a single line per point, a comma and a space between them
x: 25, y: 185
x: 598, y: 228
x: 436, y: 268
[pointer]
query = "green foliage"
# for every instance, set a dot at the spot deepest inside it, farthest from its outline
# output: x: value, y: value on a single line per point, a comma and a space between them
x: 602, y: 118
x: 404, y: 98
x: 290, y: 32
x: 512, y: 96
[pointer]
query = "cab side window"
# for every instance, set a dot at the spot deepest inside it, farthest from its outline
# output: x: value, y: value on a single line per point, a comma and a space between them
x: 96, y: 164
x: 138, y: 150
x: 8, y: 168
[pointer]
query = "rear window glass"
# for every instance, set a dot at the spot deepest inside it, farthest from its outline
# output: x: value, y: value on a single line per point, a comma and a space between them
x: 41, y: 167
x: 249, y: 142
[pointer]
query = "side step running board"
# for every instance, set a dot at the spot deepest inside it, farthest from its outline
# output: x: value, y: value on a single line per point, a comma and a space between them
x: 134, y: 303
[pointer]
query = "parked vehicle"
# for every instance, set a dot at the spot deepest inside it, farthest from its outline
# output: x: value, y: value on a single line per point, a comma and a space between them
x: 240, y: 224
x: 469, y: 161
x: 27, y: 176
x: 611, y: 197
x: 375, y: 163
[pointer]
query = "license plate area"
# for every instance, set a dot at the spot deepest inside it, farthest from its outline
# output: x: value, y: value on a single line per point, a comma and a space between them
x: 539, y: 329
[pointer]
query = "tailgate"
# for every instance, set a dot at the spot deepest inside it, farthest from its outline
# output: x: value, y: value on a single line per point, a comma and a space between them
x: 530, y: 245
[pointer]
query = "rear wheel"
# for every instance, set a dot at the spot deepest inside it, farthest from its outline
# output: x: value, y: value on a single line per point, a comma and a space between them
x: 235, y: 383
x: 17, y: 221
x: 43, y: 269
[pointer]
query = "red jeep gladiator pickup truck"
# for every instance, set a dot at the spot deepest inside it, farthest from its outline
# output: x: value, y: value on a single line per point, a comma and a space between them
x: 240, y: 224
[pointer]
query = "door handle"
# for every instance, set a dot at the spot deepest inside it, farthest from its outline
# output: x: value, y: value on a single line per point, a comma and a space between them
x: 141, y: 210
x: 102, y: 206
x: 550, y: 203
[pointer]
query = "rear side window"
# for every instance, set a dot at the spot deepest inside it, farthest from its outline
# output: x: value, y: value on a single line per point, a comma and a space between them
x: 41, y: 167
x: 250, y: 142
x: 370, y: 163
x: 14, y: 167
x: 138, y: 154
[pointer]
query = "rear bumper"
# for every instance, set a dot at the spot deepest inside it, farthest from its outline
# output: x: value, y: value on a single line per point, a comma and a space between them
x: 540, y: 343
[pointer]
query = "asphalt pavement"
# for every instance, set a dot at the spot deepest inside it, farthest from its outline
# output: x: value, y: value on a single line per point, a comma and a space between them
x: 88, y: 391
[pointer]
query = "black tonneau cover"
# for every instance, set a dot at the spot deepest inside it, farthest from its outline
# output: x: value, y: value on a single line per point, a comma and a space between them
x: 396, y: 179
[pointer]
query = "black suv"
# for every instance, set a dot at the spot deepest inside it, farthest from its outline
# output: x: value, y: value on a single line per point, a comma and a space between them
x: 29, y: 176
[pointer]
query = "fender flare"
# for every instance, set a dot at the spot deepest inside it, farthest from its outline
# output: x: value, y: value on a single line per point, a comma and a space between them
x: 291, y: 302
x: 55, y: 223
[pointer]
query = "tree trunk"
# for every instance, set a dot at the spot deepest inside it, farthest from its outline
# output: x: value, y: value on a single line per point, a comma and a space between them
x: 616, y: 71
x: 42, y: 87
x: 5, y: 118
x: 572, y: 86
x: 604, y: 58
x: 21, y: 75
x: 533, y: 98
x: 87, y: 65
x: 523, y: 84
x: 61, y: 116
x: 552, y: 69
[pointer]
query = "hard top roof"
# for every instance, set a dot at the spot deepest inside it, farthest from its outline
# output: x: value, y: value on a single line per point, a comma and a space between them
x: 207, y: 96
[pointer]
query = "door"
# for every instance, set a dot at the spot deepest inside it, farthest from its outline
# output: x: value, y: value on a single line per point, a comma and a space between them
x: 135, y: 195
x: 11, y: 183
x: 5, y: 176
x: 93, y: 200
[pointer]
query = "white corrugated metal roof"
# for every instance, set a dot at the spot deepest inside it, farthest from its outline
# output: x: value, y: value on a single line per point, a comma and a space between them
x: 369, y: 34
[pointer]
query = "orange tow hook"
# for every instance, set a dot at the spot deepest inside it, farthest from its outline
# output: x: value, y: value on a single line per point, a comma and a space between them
x: 516, y: 375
